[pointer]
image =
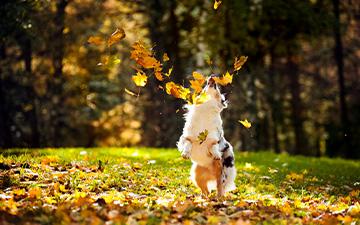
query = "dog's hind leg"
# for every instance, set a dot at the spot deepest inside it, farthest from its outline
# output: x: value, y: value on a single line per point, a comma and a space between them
x: 201, y: 178
x: 218, y: 170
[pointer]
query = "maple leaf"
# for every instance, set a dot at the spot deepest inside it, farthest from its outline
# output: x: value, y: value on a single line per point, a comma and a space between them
x: 117, y: 36
x: 224, y: 80
x: 199, y: 81
x: 239, y: 62
x: 140, y: 79
x: 202, y: 136
x: 166, y: 57
x: 245, y: 123
x: 96, y: 40
x: 217, y: 4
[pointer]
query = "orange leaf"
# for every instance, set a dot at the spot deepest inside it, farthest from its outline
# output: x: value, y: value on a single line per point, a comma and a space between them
x: 158, y: 74
x: 140, y: 79
x: 35, y: 193
x: 196, y: 86
x: 96, y: 40
x: 117, y: 36
x: 224, y: 80
x: 239, y: 62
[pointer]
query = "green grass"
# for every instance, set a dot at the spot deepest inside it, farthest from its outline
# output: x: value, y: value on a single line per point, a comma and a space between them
x: 150, y: 186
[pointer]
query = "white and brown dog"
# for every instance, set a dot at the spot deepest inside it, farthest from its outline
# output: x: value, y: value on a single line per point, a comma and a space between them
x: 213, y: 158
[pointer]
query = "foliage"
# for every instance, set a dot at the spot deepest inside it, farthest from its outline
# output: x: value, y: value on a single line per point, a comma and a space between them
x: 143, y: 185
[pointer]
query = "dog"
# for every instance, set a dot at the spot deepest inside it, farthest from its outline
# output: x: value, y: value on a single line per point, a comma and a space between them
x: 213, y: 158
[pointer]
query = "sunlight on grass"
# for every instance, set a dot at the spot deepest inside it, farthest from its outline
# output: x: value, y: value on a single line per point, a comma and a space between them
x: 119, y: 184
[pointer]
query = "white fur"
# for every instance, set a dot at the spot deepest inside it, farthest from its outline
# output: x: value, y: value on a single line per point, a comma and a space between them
x: 199, y: 118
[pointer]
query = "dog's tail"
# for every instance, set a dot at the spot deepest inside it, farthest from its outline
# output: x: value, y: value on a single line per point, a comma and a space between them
x: 228, y: 162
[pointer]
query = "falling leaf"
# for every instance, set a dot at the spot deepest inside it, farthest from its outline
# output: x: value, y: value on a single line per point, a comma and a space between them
x: 140, y: 79
x: 130, y: 92
x: 199, y: 81
x: 239, y: 62
x: 195, y: 99
x: 117, y: 36
x: 202, y: 136
x: 245, y: 123
x: 217, y: 4
x: 96, y: 40
x: 176, y: 90
x: 224, y: 80
x: 158, y: 74
x: 166, y: 57
x: 110, y: 61
x: 169, y: 72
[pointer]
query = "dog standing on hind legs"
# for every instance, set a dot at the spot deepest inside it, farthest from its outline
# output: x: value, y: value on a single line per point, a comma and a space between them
x: 213, y: 158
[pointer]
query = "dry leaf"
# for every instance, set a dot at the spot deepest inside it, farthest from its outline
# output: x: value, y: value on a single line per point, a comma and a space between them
x: 217, y: 4
x: 224, y: 80
x: 140, y: 79
x: 96, y: 40
x: 245, y: 123
x: 117, y: 36
x: 239, y: 62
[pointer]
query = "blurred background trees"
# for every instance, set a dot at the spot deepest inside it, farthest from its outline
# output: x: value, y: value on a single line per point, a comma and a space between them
x: 300, y: 87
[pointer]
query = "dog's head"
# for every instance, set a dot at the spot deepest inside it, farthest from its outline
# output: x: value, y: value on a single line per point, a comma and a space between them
x: 213, y: 91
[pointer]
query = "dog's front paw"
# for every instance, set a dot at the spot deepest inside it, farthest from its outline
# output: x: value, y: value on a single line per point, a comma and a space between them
x: 185, y: 154
x: 216, y: 155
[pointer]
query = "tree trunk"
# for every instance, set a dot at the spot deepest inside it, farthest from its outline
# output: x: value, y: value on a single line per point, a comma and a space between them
x: 274, y: 105
x: 5, y: 133
x: 339, y: 58
x: 296, y: 105
x: 162, y: 125
x: 57, y: 97
x: 32, y: 114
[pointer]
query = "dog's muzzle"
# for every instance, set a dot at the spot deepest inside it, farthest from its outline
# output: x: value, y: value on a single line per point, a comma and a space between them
x: 211, y: 82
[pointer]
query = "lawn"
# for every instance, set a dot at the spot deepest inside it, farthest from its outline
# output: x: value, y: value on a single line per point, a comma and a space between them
x: 151, y: 186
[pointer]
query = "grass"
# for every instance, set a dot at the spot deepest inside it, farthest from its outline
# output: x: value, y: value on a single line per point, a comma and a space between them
x: 151, y: 186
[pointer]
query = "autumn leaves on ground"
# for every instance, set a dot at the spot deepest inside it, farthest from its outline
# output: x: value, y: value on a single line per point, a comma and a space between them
x: 151, y: 186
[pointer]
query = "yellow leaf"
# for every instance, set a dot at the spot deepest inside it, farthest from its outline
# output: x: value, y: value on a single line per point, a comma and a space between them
x: 239, y: 62
x: 224, y: 80
x: 130, y: 92
x: 198, y: 76
x: 166, y: 57
x: 117, y: 36
x: 202, y: 136
x: 140, y: 79
x: 169, y: 72
x: 245, y: 123
x: 96, y: 40
x: 217, y: 4
x: 197, y: 99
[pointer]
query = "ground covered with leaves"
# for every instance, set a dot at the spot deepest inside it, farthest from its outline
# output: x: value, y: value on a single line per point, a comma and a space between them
x: 151, y: 186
